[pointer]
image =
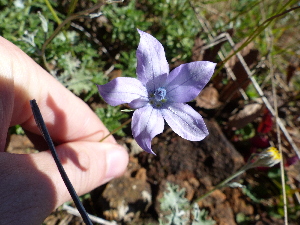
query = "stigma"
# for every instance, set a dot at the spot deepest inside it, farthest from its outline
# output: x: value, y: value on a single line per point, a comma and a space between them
x: 158, y: 98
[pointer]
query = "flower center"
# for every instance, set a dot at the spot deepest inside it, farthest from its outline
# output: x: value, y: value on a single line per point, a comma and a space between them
x: 158, y: 97
x: 160, y: 94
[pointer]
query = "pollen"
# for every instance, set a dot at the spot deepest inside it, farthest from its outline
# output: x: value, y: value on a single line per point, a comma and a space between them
x: 274, y: 153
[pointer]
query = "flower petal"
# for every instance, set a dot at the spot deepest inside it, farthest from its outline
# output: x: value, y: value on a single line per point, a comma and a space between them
x: 138, y: 103
x: 151, y: 62
x: 147, y: 122
x: 185, y: 121
x: 185, y: 82
x: 122, y: 90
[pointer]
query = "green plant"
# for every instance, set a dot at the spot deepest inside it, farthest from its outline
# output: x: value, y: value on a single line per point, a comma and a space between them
x: 127, y: 63
x: 175, y: 24
x: 111, y: 117
x: 125, y: 20
x: 246, y: 132
x: 17, y: 129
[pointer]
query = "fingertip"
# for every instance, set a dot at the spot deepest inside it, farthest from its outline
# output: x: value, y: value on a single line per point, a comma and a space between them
x: 117, y: 159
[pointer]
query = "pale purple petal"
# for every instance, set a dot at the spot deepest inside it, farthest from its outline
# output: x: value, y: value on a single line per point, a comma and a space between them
x: 147, y: 122
x: 151, y: 62
x: 185, y: 121
x: 122, y: 90
x: 138, y: 103
x: 185, y: 82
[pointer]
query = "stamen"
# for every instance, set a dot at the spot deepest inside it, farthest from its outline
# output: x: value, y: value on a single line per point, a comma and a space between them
x: 160, y: 94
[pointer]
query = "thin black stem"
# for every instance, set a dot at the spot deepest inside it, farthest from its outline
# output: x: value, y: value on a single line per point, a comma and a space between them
x: 42, y: 126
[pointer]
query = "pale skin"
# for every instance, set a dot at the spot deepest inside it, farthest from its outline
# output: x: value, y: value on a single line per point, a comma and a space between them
x: 30, y: 184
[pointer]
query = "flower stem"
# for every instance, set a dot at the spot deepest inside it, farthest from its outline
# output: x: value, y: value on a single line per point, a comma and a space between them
x: 267, y: 158
x: 42, y: 126
x: 117, y: 129
x: 222, y: 184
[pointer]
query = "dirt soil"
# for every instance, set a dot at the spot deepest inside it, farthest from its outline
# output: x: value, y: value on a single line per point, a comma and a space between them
x: 195, y: 166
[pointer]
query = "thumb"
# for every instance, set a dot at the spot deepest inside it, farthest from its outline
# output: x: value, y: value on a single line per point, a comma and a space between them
x: 87, y: 164
x: 32, y: 186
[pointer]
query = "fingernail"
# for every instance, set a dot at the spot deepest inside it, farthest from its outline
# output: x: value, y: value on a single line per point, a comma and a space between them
x: 117, y: 160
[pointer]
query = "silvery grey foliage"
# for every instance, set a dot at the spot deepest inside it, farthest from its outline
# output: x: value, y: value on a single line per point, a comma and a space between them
x: 43, y: 21
x: 176, y: 209
x: 200, y: 216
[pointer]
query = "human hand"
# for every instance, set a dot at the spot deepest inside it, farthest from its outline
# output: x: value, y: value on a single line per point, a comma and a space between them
x: 30, y: 184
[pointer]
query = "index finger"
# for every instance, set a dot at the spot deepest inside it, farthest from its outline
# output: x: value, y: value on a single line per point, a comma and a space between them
x: 67, y: 117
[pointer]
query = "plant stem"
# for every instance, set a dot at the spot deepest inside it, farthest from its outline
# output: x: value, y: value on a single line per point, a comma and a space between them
x: 255, y: 33
x: 42, y: 126
x: 58, y: 21
x: 72, y: 8
x: 221, y: 184
x: 117, y: 129
x: 61, y: 25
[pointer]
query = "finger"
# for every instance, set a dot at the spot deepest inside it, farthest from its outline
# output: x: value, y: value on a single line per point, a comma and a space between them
x: 34, y: 188
x: 67, y: 117
x: 87, y: 164
x: 6, y: 100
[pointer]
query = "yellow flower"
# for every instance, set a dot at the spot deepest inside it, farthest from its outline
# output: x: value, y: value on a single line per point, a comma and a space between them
x: 266, y: 158
x: 274, y: 153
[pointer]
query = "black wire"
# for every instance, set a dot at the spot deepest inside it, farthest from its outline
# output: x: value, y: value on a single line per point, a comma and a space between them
x: 42, y: 126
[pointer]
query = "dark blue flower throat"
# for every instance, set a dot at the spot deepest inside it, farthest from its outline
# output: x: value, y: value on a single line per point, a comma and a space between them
x: 158, y: 98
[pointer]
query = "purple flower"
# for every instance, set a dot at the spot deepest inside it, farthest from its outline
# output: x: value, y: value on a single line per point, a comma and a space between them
x: 158, y: 95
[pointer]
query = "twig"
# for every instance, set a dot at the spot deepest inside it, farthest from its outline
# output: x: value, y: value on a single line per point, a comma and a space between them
x: 95, y: 219
x: 258, y: 30
x: 207, y: 28
x: 214, y: 41
x: 279, y: 123
x: 277, y: 129
x: 265, y: 100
